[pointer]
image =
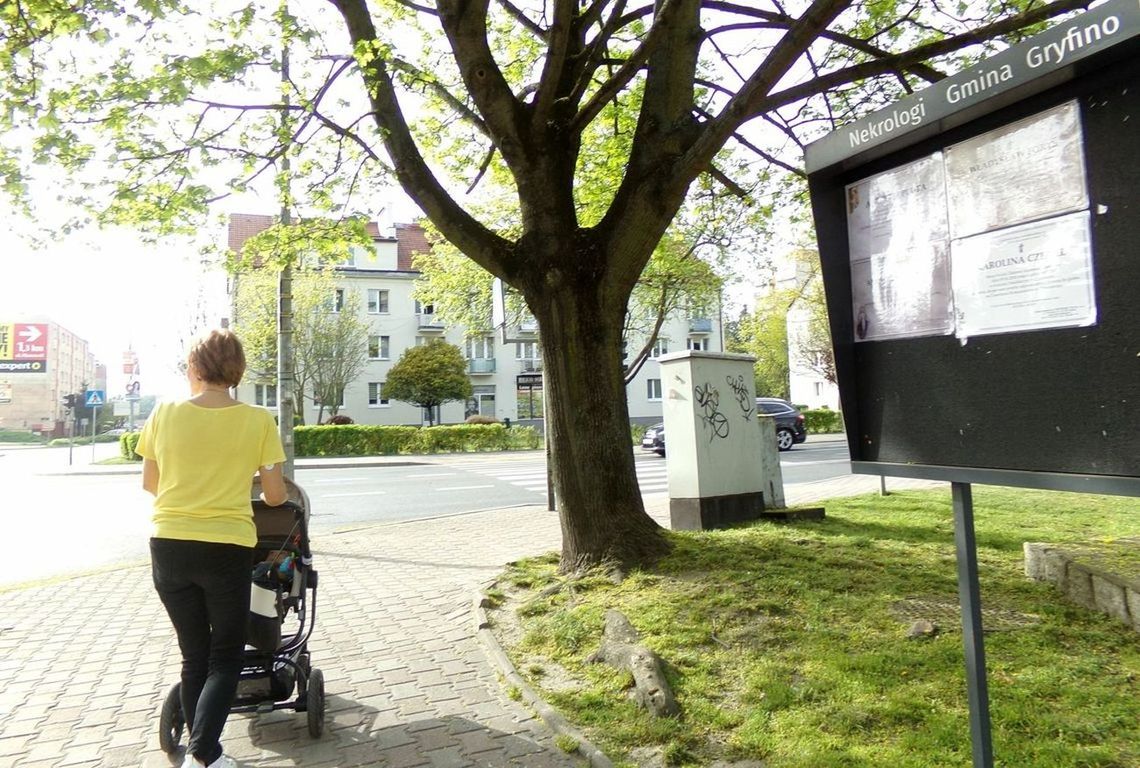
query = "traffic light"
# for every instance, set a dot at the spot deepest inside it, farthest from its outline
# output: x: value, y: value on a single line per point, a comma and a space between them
x: 69, y: 401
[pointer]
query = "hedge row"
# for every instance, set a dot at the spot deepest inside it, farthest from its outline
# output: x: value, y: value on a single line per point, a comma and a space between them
x: 822, y: 421
x: 82, y: 440
x: 371, y: 440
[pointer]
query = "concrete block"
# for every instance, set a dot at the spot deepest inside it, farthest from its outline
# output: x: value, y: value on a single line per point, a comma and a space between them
x: 1078, y: 586
x: 1110, y: 597
x: 1133, y: 598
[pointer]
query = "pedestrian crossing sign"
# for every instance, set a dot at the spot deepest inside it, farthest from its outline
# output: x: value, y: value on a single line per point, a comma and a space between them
x: 94, y: 397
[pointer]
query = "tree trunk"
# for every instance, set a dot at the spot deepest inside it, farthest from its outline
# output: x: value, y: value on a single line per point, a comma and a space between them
x: 600, y: 507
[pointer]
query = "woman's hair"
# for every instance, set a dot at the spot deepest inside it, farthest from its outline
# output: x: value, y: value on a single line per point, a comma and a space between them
x: 217, y: 358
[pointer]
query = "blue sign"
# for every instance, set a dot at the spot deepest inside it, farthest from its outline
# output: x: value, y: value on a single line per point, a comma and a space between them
x: 94, y: 397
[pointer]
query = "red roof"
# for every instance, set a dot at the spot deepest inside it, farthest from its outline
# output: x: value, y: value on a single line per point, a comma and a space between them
x: 410, y: 238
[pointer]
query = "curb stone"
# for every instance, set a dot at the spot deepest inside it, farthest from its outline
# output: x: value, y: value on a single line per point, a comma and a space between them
x: 549, y: 715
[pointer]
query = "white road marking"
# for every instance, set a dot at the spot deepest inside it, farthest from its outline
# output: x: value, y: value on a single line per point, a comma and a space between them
x: 464, y: 487
x: 345, y: 495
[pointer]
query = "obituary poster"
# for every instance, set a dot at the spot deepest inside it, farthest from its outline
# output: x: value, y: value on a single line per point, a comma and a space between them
x: 899, y: 247
x: 1020, y: 172
x: 1024, y: 278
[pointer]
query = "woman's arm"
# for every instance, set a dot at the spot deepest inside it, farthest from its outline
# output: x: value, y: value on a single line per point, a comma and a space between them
x: 273, y: 490
x: 150, y: 476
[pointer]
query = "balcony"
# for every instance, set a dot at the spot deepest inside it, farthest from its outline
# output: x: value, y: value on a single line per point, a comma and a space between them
x: 531, y: 366
x: 479, y: 365
x: 700, y: 325
x: 429, y: 322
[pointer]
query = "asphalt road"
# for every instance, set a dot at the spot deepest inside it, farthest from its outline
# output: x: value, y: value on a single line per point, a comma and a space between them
x: 57, y: 524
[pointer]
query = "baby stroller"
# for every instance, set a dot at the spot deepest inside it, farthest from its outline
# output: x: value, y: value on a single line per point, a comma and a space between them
x: 281, y: 619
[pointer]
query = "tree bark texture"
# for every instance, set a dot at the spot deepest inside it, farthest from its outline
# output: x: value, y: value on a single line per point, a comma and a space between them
x: 600, y: 508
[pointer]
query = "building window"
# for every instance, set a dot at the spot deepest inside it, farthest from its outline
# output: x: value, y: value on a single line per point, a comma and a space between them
x: 661, y: 347
x: 653, y: 389
x: 376, y: 394
x: 699, y: 344
x: 265, y: 394
x: 377, y: 301
x: 480, y: 348
x: 424, y: 309
x: 378, y: 348
x: 528, y: 350
x: 338, y: 300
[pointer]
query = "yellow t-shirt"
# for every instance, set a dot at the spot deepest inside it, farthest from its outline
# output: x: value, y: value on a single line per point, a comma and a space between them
x: 207, y: 458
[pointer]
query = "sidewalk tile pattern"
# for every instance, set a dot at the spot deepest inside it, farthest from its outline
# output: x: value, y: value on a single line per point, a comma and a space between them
x: 85, y: 663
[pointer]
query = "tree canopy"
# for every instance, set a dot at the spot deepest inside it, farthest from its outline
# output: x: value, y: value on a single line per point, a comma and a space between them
x: 429, y: 375
x: 590, y: 122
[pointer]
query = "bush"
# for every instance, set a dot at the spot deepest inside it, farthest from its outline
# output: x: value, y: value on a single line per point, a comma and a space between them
x: 127, y: 444
x: 823, y: 421
x: 340, y: 419
x: 371, y: 440
x: 479, y: 418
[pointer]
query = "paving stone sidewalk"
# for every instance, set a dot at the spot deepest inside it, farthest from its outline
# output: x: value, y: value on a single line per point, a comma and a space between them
x: 84, y: 663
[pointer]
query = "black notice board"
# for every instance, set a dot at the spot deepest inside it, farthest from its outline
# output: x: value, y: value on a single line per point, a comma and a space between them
x: 1063, y: 403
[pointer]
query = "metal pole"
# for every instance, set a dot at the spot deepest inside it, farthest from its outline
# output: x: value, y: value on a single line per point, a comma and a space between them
x: 94, y: 424
x: 969, y: 596
x: 285, y: 378
x: 551, y: 499
x: 882, y: 485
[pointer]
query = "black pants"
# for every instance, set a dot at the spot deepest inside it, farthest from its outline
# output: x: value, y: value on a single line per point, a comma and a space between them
x: 205, y: 588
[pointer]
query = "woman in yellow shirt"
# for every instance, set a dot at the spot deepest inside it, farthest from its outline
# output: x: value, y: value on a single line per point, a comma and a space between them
x: 199, y: 459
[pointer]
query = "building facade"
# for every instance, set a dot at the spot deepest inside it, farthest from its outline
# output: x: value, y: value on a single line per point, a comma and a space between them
x: 40, y: 363
x: 382, y: 281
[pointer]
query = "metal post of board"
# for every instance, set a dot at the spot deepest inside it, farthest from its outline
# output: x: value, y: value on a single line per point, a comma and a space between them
x: 94, y: 426
x: 882, y: 485
x: 969, y: 595
x: 551, y: 502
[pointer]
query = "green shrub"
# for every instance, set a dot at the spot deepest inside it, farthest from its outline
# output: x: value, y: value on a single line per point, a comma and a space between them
x: 352, y: 440
x: 83, y: 440
x: 478, y: 418
x: 822, y: 421
x: 374, y: 440
x: 127, y: 444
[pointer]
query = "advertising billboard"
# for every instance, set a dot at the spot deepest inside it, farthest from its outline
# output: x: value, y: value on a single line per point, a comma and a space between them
x: 23, y: 347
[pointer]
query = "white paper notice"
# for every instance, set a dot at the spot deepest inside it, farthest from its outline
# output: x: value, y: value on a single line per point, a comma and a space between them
x: 1017, y: 173
x: 1027, y: 277
x: 899, y: 248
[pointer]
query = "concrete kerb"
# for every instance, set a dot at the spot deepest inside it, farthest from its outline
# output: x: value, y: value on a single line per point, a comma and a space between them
x: 506, y: 668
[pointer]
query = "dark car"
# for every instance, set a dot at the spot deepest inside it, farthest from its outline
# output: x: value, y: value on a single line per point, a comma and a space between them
x: 654, y: 439
x: 790, y: 429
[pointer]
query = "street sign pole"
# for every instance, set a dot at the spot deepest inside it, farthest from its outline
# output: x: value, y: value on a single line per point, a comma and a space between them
x: 94, y: 426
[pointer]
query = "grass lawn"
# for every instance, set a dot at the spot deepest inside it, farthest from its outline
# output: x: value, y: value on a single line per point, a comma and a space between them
x: 788, y: 644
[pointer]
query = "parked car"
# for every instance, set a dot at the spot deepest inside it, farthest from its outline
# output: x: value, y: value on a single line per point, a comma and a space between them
x: 116, y: 432
x: 654, y: 439
x: 790, y: 429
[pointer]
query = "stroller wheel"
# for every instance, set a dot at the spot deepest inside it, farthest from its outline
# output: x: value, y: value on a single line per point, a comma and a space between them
x: 172, y: 722
x: 315, y: 699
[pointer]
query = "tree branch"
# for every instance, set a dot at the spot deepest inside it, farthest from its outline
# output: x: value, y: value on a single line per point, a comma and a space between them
x: 465, y: 23
x: 560, y: 36
x: 489, y: 250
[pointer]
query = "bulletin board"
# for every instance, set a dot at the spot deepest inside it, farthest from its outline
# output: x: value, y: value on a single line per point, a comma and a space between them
x: 980, y: 245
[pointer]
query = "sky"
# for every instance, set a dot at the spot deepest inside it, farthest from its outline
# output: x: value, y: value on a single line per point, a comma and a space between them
x: 118, y: 292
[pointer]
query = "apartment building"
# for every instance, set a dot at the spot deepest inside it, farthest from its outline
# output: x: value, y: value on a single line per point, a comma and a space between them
x: 40, y: 363
x: 382, y: 281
